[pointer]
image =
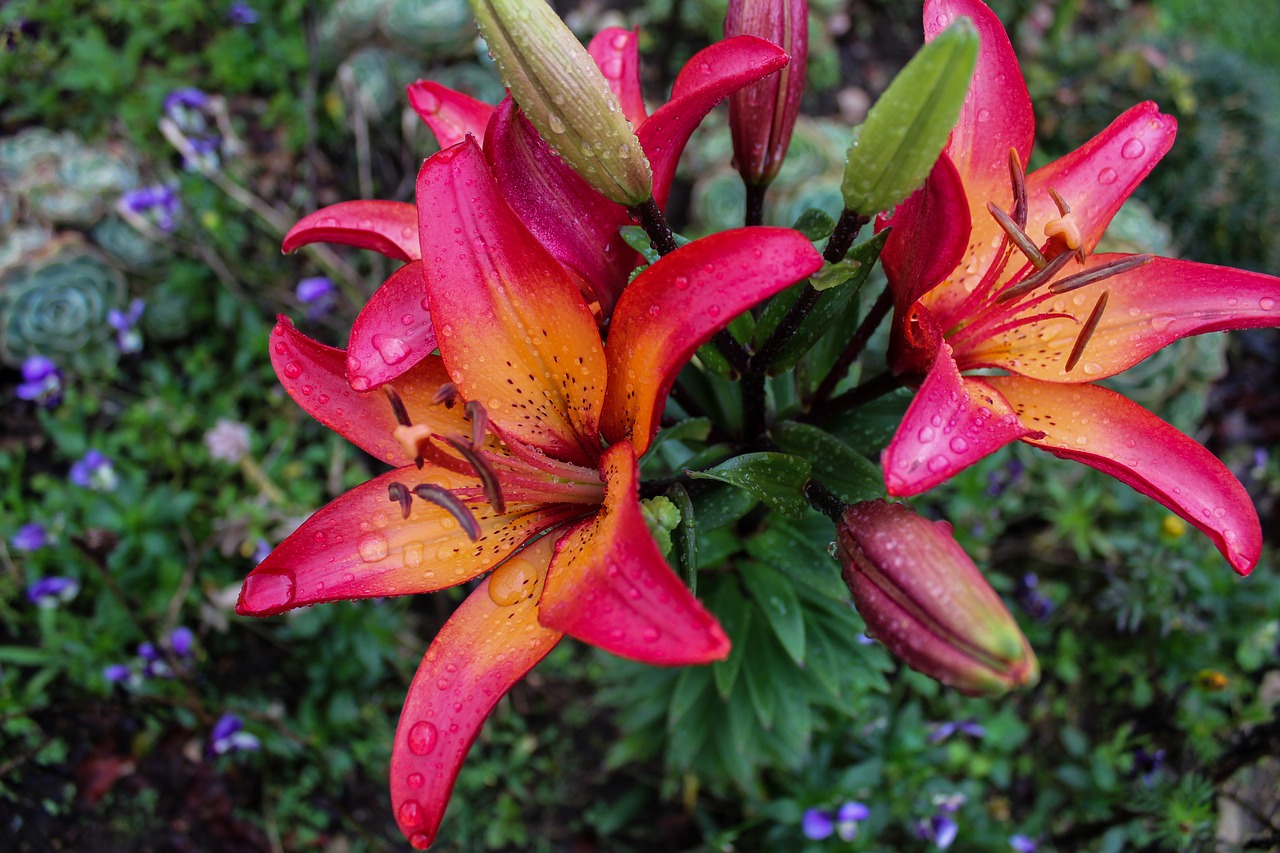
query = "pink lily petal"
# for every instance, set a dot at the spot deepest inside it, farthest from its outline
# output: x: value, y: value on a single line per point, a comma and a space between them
x: 1120, y: 438
x: 314, y: 375
x: 929, y: 238
x: 393, y: 331
x: 482, y: 651
x: 617, y: 52
x: 387, y: 227
x: 709, y: 77
x: 1097, y: 177
x: 1148, y: 308
x: 608, y: 584
x: 567, y: 215
x: 952, y: 423
x: 451, y: 115
x: 678, y: 304
x: 512, y: 327
x: 359, y: 545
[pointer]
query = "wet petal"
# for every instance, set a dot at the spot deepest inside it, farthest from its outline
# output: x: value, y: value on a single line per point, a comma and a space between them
x: 709, y: 77
x: 512, y: 327
x: 617, y: 52
x: 1102, y: 429
x: 609, y: 585
x: 387, y: 227
x: 930, y: 235
x: 1097, y: 177
x: 315, y: 377
x: 952, y: 423
x: 676, y: 305
x: 451, y: 115
x: 359, y: 545
x: 392, y: 332
x: 482, y: 651
x: 565, y: 213
x: 1148, y: 308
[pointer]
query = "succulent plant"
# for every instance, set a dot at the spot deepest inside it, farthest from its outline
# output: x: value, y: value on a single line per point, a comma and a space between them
x: 423, y: 29
x: 63, y: 180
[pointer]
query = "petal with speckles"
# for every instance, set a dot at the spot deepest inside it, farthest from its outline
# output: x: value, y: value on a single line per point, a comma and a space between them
x: 1104, y: 430
x: 387, y: 227
x: 450, y: 114
x: 608, y: 584
x: 513, y: 329
x: 484, y: 649
x: 617, y: 53
x: 360, y: 546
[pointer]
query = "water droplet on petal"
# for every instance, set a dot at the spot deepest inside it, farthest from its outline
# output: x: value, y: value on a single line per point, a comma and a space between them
x: 1107, y: 176
x: 650, y: 634
x: 959, y: 445
x: 555, y: 123
x: 267, y: 591
x: 293, y: 370
x: 392, y: 349
x: 410, y: 813
x: 1266, y: 303
x: 926, y: 435
x: 423, y: 738
x: 1133, y: 149
x: 373, y: 547
x: 938, y: 464
x: 415, y: 780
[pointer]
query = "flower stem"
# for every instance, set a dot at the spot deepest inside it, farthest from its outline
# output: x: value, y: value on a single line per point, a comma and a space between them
x: 755, y: 204
x: 824, y: 500
x: 841, y: 239
x: 650, y: 217
x: 854, y: 348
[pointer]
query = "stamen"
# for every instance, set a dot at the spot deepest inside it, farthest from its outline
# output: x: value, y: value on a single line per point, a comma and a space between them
x: 1086, y: 332
x: 446, y: 393
x: 1065, y: 227
x: 1019, y: 189
x: 397, y: 406
x: 1020, y: 238
x: 479, y: 423
x: 411, y: 437
x: 399, y: 493
x: 445, y: 499
x: 1098, y: 273
x: 488, y: 477
x: 1036, y: 279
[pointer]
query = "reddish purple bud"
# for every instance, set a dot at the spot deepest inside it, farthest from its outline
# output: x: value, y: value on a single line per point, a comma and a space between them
x: 923, y: 597
x: 763, y: 114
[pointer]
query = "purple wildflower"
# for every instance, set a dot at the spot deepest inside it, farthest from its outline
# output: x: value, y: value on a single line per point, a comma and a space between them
x: 1036, y: 604
x: 1022, y: 844
x: 181, y: 640
x: 30, y: 537
x: 116, y: 672
x: 41, y: 381
x: 318, y: 294
x: 50, y: 592
x: 94, y: 471
x: 848, y: 817
x: 128, y: 337
x: 158, y: 201
x: 228, y: 737
x: 242, y: 13
x: 939, y: 829
x: 817, y: 824
x: 1148, y: 764
x: 1002, y: 478
x: 179, y: 100
x: 148, y: 652
x: 942, y: 731
x: 261, y: 551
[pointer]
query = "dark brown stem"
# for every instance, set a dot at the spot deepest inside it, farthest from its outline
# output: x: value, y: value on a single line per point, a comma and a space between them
x: 755, y: 204
x: 753, y: 407
x: 651, y: 219
x: 856, y: 345
x: 824, y: 500
x: 847, y: 228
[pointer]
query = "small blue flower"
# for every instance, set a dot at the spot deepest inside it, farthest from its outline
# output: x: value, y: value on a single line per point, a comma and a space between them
x: 261, y: 551
x: 848, y: 817
x: 182, y: 641
x: 41, y: 381
x: 228, y: 737
x: 817, y: 824
x: 1022, y: 844
x: 1036, y: 604
x: 116, y: 672
x: 30, y: 537
x: 128, y: 336
x: 318, y: 294
x: 942, y: 731
x: 189, y: 98
x: 945, y: 831
x: 242, y: 13
x: 94, y: 471
x: 50, y: 592
x: 160, y: 202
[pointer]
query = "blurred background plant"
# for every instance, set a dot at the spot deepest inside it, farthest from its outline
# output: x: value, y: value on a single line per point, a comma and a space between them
x: 151, y: 156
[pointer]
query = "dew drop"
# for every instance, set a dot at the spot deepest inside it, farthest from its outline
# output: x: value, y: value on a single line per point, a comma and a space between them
x: 650, y: 634
x: 415, y: 780
x: 392, y: 349
x: 1107, y: 176
x: 555, y: 123
x: 406, y: 319
x: 269, y: 591
x: 938, y: 464
x: 959, y: 445
x: 612, y: 67
x: 372, y: 548
x: 1161, y: 322
x: 422, y: 738
x: 410, y: 813
x: 512, y: 582
x: 1133, y: 149
x: 926, y: 435
x: 281, y: 348
x: 413, y: 555
x: 293, y: 370
x: 1266, y: 303
x: 984, y: 115
x: 620, y: 41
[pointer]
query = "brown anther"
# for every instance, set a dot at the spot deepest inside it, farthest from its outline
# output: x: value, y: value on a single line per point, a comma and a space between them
x: 1020, y: 238
x: 1098, y: 273
x: 488, y: 477
x: 1019, y: 188
x: 1087, y: 330
x: 1063, y: 207
x: 479, y: 423
x: 397, y: 406
x: 445, y: 499
x: 447, y: 394
x: 1036, y: 279
x: 399, y: 493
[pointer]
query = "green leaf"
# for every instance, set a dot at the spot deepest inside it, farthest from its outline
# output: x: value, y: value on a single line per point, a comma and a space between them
x: 872, y: 428
x: 904, y: 132
x: 27, y: 656
x: 803, y: 559
x: 690, y: 686
x: 852, y: 476
x: 734, y: 613
x: 815, y: 224
x: 776, y: 478
x: 776, y: 598
x: 685, y: 538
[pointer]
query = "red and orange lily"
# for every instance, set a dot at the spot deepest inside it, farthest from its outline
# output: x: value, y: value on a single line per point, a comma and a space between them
x: 991, y: 270
x: 516, y: 449
x: 572, y: 220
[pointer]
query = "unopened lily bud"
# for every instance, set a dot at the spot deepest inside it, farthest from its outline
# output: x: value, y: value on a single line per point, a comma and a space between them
x: 923, y: 597
x: 763, y: 114
x: 905, y: 131
x: 562, y: 92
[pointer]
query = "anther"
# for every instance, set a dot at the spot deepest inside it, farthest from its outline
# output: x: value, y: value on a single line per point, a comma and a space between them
x: 446, y: 393
x: 1086, y: 331
x: 446, y: 500
x: 488, y: 477
x: 1098, y: 273
x: 1065, y: 227
x: 411, y: 437
x: 399, y: 493
x: 479, y: 423
x: 1036, y: 279
x: 397, y: 406
x: 1019, y: 189
x: 1020, y: 238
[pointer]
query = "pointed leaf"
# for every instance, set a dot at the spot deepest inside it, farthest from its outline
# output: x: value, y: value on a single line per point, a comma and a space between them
x: 393, y: 331
x: 387, y: 227
x: 734, y: 613
x: 852, y: 476
x: 451, y: 115
x: 776, y: 599
x: 776, y: 478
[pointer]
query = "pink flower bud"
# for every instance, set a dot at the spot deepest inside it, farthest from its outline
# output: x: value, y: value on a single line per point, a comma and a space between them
x: 762, y: 115
x: 923, y: 597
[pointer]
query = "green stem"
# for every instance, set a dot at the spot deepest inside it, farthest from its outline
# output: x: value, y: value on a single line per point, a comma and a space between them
x: 855, y: 346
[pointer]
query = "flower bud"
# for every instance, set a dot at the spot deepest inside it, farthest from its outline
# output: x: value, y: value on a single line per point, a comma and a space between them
x: 763, y: 114
x: 564, y: 95
x: 923, y: 597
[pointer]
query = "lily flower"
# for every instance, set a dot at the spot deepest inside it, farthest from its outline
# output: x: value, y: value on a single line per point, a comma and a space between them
x: 991, y: 270
x: 577, y: 224
x: 516, y: 453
